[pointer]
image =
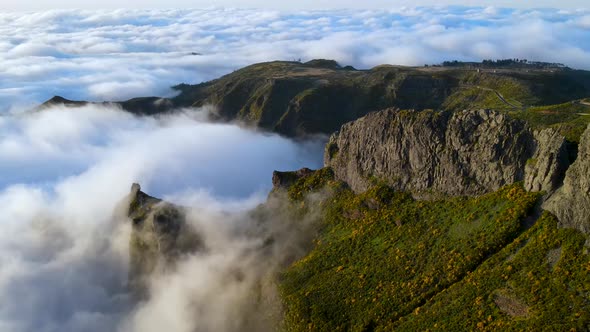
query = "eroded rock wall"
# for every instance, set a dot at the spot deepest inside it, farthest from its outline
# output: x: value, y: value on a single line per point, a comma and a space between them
x: 571, y: 203
x: 426, y: 152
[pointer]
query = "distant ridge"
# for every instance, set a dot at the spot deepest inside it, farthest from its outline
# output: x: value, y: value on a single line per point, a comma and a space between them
x: 298, y: 99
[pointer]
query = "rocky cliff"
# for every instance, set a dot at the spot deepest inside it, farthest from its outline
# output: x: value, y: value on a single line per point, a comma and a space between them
x: 429, y: 152
x: 571, y: 203
x: 546, y: 169
x: 160, y: 235
x: 470, y: 153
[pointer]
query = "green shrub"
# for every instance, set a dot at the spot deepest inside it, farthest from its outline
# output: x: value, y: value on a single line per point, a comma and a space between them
x: 381, y: 255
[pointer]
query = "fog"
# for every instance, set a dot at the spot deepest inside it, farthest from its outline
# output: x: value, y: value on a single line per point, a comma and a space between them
x: 64, y: 248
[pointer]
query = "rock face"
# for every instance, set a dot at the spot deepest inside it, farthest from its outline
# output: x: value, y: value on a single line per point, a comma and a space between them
x: 546, y: 169
x: 466, y: 153
x: 430, y: 153
x: 160, y: 235
x: 283, y: 180
x: 571, y: 203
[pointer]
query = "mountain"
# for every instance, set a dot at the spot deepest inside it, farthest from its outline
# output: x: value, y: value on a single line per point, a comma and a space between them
x: 433, y: 212
x: 160, y: 236
x: 298, y: 99
x: 471, y: 255
x: 491, y: 260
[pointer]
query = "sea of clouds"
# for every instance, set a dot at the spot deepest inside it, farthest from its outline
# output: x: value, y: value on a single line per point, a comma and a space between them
x: 113, y: 55
x: 63, y: 249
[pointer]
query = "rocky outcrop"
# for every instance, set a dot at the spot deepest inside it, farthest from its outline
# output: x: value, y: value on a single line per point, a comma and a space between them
x: 283, y: 180
x: 571, y: 203
x: 546, y: 169
x: 159, y: 237
x: 466, y: 153
x: 430, y: 153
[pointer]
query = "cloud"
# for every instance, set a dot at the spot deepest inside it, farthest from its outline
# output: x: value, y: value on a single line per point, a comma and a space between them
x: 120, y: 54
x: 64, y: 249
x: 64, y: 252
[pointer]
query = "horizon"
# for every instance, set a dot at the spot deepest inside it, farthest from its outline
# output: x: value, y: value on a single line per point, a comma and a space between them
x: 149, y: 51
x: 12, y: 5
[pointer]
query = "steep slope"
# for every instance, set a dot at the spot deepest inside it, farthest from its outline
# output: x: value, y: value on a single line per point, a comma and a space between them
x: 540, y: 282
x: 571, y: 203
x: 381, y: 260
x: 160, y: 235
x: 298, y: 99
x: 384, y: 261
x: 450, y: 153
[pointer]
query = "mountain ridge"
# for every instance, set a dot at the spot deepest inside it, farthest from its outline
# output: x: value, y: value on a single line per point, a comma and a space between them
x: 298, y: 99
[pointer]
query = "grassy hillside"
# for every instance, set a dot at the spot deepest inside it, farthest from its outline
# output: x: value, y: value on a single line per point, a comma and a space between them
x: 570, y: 118
x: 540, y: 282
x: 318, y: 97
x: 384, y: 261
x: 295, y: 99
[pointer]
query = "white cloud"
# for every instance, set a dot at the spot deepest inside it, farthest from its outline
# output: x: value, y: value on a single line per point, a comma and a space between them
x: 121, y: 54
x: 63, y: 250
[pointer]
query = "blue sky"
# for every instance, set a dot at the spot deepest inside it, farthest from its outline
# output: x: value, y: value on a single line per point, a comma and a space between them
x: 287, y: 5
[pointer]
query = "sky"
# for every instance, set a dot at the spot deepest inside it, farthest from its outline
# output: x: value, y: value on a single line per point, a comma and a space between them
x: 27, y: 5
x: 102, y: 55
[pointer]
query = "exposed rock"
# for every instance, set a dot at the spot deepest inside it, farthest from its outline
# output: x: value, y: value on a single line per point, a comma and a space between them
x: 283, y: 180
x: 571, y: 203
x: 510, y: 305
x: 553, y: 256
x: 160, y: 235
x: 462, y: 153
x: 546, y: 169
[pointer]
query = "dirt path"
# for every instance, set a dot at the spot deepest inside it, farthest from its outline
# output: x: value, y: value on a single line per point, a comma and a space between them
x: 498, y: 94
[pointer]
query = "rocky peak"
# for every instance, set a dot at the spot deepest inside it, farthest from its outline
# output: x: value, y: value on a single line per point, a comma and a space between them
x: 159, y: 236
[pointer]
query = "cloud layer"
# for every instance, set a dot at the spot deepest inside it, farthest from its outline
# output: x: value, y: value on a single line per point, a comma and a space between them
x: 63, y: 249
x: 120, y: 54
x: 63, y: 252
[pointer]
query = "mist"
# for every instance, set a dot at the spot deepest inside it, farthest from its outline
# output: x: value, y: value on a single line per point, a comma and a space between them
x: 64, y: 247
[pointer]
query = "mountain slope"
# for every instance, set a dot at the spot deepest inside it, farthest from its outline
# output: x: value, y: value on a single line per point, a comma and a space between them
x: 384, y: 261
x: 297, y: 99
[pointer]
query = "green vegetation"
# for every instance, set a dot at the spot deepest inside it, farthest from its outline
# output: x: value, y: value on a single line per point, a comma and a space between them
x: 295, y: 98
x: 540, y: 282
x: 382, y: 257
x: 571, y: 118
